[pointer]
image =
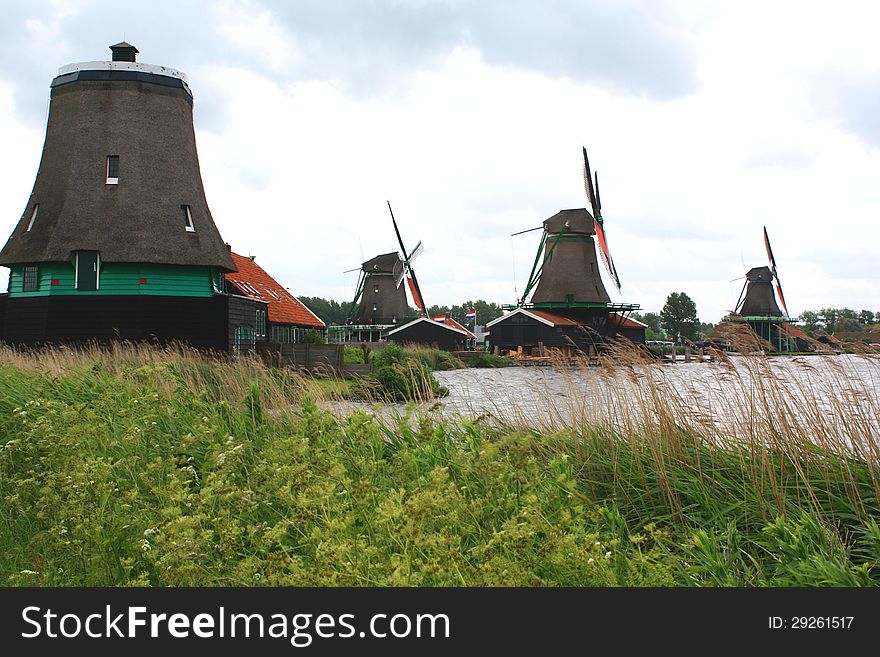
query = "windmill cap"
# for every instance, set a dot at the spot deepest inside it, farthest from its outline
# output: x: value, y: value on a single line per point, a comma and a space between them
x: 759, y: 275
x: 387, y: 262
x: 123, y: 66
x: 579, y: 220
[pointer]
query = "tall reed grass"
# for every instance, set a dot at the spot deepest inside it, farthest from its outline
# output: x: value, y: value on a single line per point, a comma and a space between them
x: 134, y: 465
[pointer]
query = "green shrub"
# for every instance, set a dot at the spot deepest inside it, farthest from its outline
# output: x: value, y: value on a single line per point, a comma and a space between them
x: 398, y: 376
x: 311, y: 336
x: 353, y: 355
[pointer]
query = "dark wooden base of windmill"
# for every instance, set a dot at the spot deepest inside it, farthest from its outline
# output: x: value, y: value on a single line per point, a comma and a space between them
x: 206, y: 323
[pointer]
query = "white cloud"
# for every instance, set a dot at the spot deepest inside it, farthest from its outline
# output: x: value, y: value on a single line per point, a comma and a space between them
x: 475, y: 142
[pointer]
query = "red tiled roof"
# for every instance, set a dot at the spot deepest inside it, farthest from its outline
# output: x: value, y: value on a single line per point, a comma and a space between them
x: 558, y: 320
x: 451, y: 322
x: 620, y: 320
x: 284, y: 308
x: 794, y: 331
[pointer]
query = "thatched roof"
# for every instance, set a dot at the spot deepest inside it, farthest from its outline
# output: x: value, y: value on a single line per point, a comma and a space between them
x: 760, y: 300
x: 571, y: 270
x: 149, y: 126
x: 382, y: 301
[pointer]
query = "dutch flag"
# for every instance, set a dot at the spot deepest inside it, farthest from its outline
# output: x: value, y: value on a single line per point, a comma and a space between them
x: 440, y: 318
x: 471, y: 314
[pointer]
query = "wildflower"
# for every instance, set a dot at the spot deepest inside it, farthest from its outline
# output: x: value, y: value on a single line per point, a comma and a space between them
x: 29, y: 572
x: 590, y: 560
x: 145, y: 546
x: 608, y: 555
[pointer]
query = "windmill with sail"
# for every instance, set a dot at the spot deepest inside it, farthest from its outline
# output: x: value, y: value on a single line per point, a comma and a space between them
x: 380, y: 302
x: 757, y: 307
x: 565, y: 302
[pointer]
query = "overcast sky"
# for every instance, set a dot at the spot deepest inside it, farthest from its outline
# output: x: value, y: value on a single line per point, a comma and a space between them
x: 706, y: 121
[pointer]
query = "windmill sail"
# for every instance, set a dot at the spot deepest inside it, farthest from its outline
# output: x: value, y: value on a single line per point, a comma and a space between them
x: 417, y: 297
x: 596, y: 206
x: 773, y: 268
x: 406, y: 262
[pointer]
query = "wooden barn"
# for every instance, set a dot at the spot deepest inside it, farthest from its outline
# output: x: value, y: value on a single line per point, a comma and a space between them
x: 284, y: 319
x: 448, y: 335
x: 116, y: 240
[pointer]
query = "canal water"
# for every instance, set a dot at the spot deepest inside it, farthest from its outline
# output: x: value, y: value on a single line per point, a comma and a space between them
x: 824, y: 399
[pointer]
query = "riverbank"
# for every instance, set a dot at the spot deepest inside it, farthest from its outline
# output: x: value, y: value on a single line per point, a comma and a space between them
x: 142, y: 467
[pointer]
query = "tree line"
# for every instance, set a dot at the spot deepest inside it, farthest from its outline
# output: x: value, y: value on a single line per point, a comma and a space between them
x: 676, y: 320
x: 838, y: 320
x: 336, y: 312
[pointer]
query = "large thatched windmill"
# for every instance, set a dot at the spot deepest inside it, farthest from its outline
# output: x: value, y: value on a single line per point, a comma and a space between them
x: 569, y: 305
x: 758, y: 309
x: 116, y: 239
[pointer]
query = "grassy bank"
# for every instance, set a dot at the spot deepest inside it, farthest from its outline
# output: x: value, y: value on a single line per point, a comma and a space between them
x: 143, y: 467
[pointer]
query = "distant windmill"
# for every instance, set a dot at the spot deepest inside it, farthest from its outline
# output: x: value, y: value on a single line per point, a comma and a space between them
x: 757, y: 298
x: 757, y: 308
x: 379, y: 299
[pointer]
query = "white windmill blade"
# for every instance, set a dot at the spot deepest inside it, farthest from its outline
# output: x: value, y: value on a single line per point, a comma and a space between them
x: 400, y: 277
x: 416, y: 252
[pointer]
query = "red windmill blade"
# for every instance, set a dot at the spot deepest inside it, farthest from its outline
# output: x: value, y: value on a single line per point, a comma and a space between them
x: 596, y: 205
x: 773, y: 269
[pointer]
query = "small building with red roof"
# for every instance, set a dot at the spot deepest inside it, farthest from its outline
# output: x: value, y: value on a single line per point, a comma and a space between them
x: 448, y: 334
x: 285, y: 318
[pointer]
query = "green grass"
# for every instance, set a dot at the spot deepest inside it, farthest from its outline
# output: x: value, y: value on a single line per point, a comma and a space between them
x: 486, y: 359
x: 163, y: 468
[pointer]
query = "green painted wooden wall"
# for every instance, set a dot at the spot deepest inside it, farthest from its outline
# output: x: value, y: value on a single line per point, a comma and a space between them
x: 117, y: 278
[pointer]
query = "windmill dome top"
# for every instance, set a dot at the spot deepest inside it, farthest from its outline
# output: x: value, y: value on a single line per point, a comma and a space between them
x: 123, y: 66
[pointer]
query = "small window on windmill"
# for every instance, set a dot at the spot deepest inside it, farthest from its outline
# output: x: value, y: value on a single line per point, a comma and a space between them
x: 186, y: 217
x: 33, y: 218
x: 374, y: 307
x: 569, y: 298
x: 112, y: 169
x: 30, y: 280
x: 375, y: 289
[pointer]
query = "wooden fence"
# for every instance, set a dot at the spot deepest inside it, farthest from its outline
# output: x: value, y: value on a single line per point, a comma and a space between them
x: 313, y: 357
